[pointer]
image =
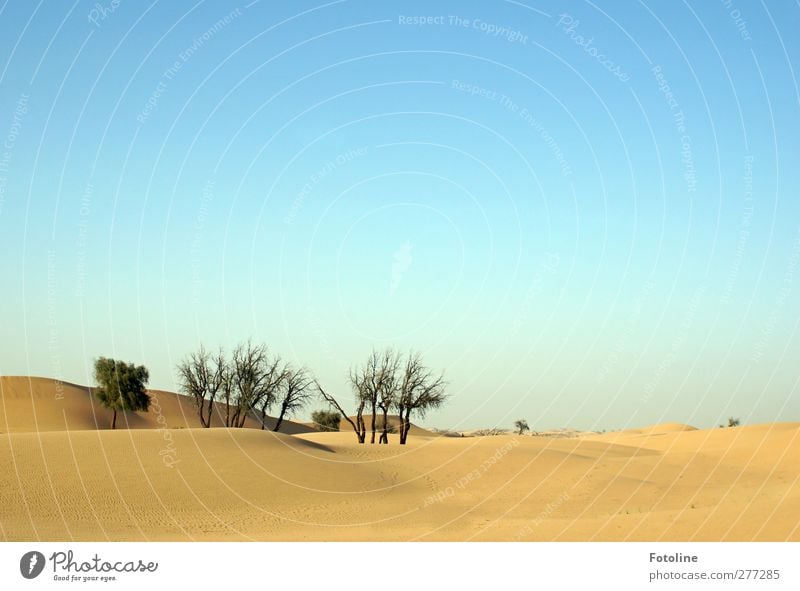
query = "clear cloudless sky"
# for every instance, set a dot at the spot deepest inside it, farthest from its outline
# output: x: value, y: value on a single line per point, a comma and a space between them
x: 586, y: 213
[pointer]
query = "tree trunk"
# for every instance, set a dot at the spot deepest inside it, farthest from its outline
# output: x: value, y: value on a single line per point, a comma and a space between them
x: 385, y: 434
x: 405, y: 425
x: 372, y: 440
x: 114, y: 420
x: 200, y: 405
x: 235, y: 417
x: 362, y: 428
x: 280, y: 419
x: 210, y: 411
x: 216, y: 411
x: 357, y: 428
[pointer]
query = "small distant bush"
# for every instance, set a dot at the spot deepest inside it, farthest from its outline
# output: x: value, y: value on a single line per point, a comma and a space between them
x: 488, y: 432
x: 521, y: 426
x: 447, y: 432
x: 733, y: 422
x: 326, y: 420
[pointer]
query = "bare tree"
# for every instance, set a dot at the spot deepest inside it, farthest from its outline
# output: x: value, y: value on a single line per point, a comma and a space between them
x: 358, y: 383
x: 247, y: 373
x: 296, y: 392
x: 275, y: 377
x: 388, y: 388
x: 359, y: 427
x: 521, y: 426
x: 420, y: 390
x: 362, y: 426
x: 200, y: 376
x: 274, y: 380
x: 249, y: 379
x: 256, y: 378
x: 386, y: 382
x: 374, y: 384
x: 361, y: 380
x: 227, y: 389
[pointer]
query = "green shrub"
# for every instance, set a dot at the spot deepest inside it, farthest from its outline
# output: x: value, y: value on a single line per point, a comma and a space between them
x: 326, y: 420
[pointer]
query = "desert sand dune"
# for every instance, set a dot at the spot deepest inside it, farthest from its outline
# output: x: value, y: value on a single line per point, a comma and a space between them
x: 31, y: 404
x: 66, y: 476
x: 655, y: 430
x: 393, y: 420
x: 247, y: 484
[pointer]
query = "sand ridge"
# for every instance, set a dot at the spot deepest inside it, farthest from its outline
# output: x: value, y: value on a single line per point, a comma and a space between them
x: 247, y: 484
x: 34, y: 404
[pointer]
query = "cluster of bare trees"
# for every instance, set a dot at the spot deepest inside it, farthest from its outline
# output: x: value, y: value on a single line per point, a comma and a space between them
x: 249, y: 382
x: 386, y: 382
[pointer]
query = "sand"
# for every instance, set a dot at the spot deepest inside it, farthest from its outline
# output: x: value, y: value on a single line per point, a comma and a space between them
x: 665, y: 482
x: 31, y: 404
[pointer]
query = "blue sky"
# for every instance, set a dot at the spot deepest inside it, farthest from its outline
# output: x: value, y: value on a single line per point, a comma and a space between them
x: 587, y: 216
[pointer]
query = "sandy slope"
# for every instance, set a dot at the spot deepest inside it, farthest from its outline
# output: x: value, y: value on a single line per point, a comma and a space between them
x: 723, y: 484
x: 63, y: 478
x: 393, y: 421
x: 42, y: 404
